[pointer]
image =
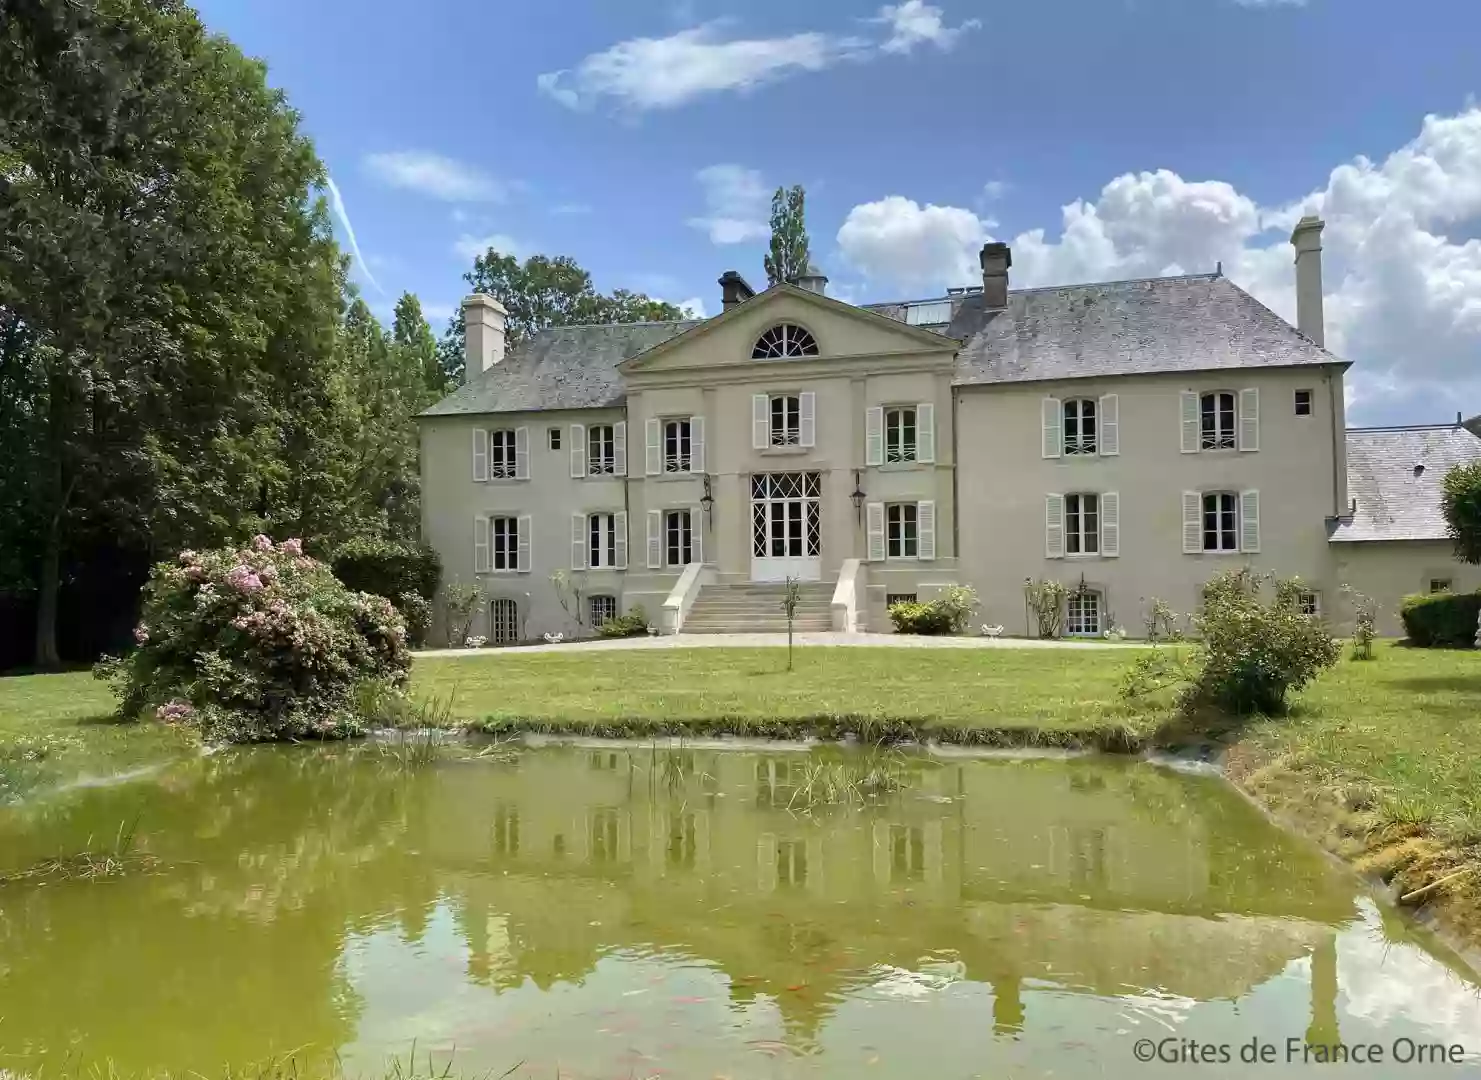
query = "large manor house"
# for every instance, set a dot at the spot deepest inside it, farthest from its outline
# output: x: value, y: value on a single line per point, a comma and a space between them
x: 1128, y: 439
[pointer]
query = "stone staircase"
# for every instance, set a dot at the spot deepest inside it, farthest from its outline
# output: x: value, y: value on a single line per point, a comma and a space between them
x: 757, y: 609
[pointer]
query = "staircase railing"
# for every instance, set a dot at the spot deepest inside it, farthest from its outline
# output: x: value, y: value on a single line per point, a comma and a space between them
x: 682, y: 596
x: 848, y: 597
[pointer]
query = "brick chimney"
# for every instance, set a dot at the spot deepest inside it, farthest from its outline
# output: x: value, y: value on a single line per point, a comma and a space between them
x: 1307, y: 240
x: 996, y: 258
x: 734, y: 290
x: 483, y: 327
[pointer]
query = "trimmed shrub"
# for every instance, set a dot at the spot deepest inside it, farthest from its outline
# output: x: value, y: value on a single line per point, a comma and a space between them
x: 633, y: 624
x: 1441, y: 620
x: 257, y: 644
x: 948, y: 613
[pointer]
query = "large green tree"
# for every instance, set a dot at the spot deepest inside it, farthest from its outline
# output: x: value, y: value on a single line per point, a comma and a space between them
x: 788, y: 258
x: 542, y: 292
x: 1461, y: 502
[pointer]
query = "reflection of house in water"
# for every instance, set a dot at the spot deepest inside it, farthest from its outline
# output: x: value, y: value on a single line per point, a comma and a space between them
x: 1095, y: 878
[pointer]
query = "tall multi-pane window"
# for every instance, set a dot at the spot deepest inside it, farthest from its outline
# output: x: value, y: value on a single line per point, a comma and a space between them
x: 902, y: 531
x: 1217, y: 414
x: 678, y: 537
x: 504, y: 543
x: 899, y: 434
x: 501, y: 454
x: 786, y: 420
x: 503, y: 622
x: 677, y: 446
x: 1079, y: 426
x: 1083, y: 613
x: 601, y: 450
x: 1082, y: 524
x: 1221, y: 521
x: 602, y: 540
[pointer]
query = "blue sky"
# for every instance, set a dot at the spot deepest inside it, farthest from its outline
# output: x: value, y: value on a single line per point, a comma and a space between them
x: 1102, y: 138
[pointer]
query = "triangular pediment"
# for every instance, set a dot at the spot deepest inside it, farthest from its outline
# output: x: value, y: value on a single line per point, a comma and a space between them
x: 840, y: 331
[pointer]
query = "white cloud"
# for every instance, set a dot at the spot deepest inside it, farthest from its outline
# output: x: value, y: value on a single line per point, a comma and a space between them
x: 915, y: 22
x: 664, y: 73
x: 693, y: 308
x: 737, y: 204
x: 994, y: 189
x: 338, y: 204
x: 435, y: 176
x: 1401, y: 260
x: 469, y: 247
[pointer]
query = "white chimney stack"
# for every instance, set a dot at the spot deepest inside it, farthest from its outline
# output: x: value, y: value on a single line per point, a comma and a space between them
x: 483, y: 327
x: 1307, y: 240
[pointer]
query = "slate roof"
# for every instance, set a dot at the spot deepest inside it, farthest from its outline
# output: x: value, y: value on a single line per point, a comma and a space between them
x: 1396, y: 498
x: 569, y: 367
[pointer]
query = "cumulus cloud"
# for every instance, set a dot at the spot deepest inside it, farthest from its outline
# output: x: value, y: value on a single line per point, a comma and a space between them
x: 663, y: 73
x: 737, y: 204
x: 435, y: 176
x: 1401, y: 259
x: 468, y: 246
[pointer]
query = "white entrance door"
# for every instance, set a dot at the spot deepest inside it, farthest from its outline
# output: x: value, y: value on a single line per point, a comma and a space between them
x: 786, y: 527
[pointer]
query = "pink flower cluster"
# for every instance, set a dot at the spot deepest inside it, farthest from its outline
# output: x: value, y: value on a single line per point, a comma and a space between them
x: 175, y: 711
x: 141, y: 634
x: 243, y: 578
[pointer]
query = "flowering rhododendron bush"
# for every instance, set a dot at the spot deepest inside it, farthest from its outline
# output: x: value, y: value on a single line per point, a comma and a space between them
x: 256, y: 644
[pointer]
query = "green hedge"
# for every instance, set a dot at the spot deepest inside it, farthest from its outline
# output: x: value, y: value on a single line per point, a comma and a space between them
x: 405, y: 574
x: 913, y: 618
x: 633, y: 624
x: 1441, y: 620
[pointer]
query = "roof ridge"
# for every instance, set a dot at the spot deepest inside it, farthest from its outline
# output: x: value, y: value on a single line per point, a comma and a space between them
x: 1211, y: 276
x: 1446, y: 426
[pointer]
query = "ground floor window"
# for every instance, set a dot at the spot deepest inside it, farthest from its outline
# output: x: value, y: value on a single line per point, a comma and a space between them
x: 1083, y: 614
x: 678, y: 534
x: 1440, y: 584
x: 503, y: 622
x: 1309, y: 603
x: 902, y: 531
x: 603, y: 610
x: 891, y: 599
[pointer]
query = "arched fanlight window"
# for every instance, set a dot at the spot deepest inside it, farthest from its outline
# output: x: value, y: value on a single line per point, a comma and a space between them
x: 784, y: 340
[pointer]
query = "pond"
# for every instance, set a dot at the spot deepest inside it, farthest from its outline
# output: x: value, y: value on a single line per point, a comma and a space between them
x: 621, y: 912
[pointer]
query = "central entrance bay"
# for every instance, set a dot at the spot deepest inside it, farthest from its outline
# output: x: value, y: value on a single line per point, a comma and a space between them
x: 786, y: 526
x: 613, y: 911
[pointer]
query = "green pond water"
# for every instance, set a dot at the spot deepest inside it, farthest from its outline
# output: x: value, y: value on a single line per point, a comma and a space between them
x: 618, y: 912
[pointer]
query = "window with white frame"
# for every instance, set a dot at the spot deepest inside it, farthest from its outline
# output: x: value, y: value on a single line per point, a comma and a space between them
x: 603, y: 610
x: 784, y: 340
x: 900, y: 434
x: 902, y: 531
x: 1220, y: 521
x: 554, y: 435
x: 1303, y: 402
x: 1308, y: 602
x: 1218, y: 415
x: 503, y: 622
x: 678, y: 446
x: 786, y: 420
x: 601, y: 450
x: 1082, y: 524
x: 891, y: 599
x: 678, y: 537
x: 504, y: 544
x: 502, y: 465
x: 1440, y: 584
x: 1083, y: 613
x: 601, y: 531
x: 1080, y: 426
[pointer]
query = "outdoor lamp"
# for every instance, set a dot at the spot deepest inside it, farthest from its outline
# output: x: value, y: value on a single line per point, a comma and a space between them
x: 707, y: 500
x: 858, y: 496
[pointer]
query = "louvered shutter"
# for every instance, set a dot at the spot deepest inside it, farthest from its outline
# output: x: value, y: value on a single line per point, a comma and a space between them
x: 578, y: 541
x: 480, y: 455
x: 925, y: 528
x: 1110, y: 524
x: 1051, y: 412
x: 760, y: 421
x: 925, y: 433
x: 1189, y: 406
x: 655, y: 447
x: 619, y: 447
x: 874, y: 436
x: 521, y: 453
x: 655, y: 539
x: 1054, y: 526
x: 807, y: 409
x: 696, y: 444
x: 874, y: 521
x: 1110, y: 425
x: 1192, y: 522
x: 619, y: 541
x: 1249, y: 419
x: 1249, y: 521
x: 525, y: 526
x: 578, y: 451
x: 480, y: 545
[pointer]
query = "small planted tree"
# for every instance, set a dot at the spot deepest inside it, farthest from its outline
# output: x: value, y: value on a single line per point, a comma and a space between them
x: 1364, y: 622
x: 1046, y: 600
x: 570, y: 594
x: 791, y: 597
x: 458, y: 603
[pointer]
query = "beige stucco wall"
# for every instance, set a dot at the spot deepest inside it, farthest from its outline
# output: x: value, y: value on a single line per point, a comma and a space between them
x: 1004, y: 481
x: 1392, y: 570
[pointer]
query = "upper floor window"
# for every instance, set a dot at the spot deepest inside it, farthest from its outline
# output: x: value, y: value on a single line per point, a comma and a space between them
x: 899, y: 434
x: 554, y: 434
x: 504, y: 544
x: 1221, y: 521
x: 678, y: 445
x: 784, y: 340
x: 1303, y: 402
x: 1082, y: 524
x: 502, y: 458
x: 1217, y: 414
x: 786, y: 420
x: 601, y: 450
x: 1079, y: 426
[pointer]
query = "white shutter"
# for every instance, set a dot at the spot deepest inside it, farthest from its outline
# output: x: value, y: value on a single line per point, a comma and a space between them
x: 1192, y: 522
x: 578, y: 541
x: 655, y: 539
x: 696, y: 444
x: 619, y: 550
x: 480, y: 455
x: 480, y: 545
x: 655, y: 447
x: 578, y: 451
x: 1054, y: 526
x: 925, y: 433
x: 619, y: 448
x: 925, y: 529
x: 807, y: 418
x: 1110, y: 425
x: 760, y: 421
x: 696, y: 534
x: 1249, y: 521
x: 874, y: 518
x: 1051, y: 413
x: 1110, y: 524
x: 874, y: 436
x: 523, y: 556
x: 521, y: 453
x: 1190, y: 423
x: 1249, y: 419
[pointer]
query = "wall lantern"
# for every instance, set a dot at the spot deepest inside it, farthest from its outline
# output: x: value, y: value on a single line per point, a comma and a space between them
x: 858, y: 496
x: 707, y: 500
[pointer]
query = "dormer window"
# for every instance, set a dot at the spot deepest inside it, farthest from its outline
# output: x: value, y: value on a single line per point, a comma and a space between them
x: 783, y: 341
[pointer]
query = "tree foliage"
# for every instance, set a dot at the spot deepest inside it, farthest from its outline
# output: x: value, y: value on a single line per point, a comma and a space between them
x: 542, y: 292
x: 1461, y: 503
x: 788, y: 258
